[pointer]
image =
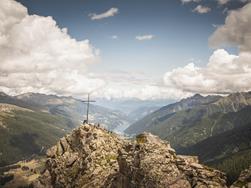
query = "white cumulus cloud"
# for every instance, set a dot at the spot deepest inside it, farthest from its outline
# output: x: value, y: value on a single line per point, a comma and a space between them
x: 236, y: 31
x: 202, y: 9
x: 144, y: 37
x: 189, y: 1
x: 222, y: 2
x: 224, y: 72
x: 109, y: 13
x: 38, y: 56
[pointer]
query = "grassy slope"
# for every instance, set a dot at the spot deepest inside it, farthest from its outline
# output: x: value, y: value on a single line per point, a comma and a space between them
x: 161, y: 118
x: 233, y: 165
x: 222, y: 145
x: 188, y: 127
x: 229, y: 152
x: 26, y: 133
x: 208, y: 126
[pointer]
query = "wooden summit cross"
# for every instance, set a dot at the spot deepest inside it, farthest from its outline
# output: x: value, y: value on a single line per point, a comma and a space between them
x: 87, y: 110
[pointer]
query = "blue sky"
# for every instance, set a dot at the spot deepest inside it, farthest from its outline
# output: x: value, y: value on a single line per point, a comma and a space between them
x: 180, y: 34
x: 154, y: 49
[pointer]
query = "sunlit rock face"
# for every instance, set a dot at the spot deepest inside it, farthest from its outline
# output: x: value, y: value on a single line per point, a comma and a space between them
x: 151, y: 162
x: 94, y: 157
x: 85, y: 158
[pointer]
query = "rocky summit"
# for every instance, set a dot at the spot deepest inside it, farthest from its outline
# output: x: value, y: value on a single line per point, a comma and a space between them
x: 94, y: 157
x: 85, y: 158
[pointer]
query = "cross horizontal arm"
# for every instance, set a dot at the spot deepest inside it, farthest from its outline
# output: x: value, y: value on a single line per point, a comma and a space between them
x: 88, y: 101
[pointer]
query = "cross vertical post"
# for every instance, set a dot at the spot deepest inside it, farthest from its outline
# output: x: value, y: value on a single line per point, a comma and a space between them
x: 87, y: 108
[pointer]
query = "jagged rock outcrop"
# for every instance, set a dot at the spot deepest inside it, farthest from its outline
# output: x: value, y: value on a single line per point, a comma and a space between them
x: 244, y: 181
x: 94, y: 157
x: 83, y: 159
x: 150, y: 162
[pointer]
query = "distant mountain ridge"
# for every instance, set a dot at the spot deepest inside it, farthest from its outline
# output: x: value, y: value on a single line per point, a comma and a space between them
x: 173, y: 118
x: 68, y: 107
x: 216, y: 128
x: 166, y: 112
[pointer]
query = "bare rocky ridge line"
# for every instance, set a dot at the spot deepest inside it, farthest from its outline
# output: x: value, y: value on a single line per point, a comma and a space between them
x: 94, y: 157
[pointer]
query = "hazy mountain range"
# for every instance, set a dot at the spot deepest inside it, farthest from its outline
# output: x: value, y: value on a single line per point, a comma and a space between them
x: 135, y: 109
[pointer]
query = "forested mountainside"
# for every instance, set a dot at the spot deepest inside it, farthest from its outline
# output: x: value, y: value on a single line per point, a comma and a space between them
x: 215, y: 128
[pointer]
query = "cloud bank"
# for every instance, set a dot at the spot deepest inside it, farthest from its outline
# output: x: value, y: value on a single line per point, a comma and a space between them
x: 38, y: 56
x: 224, y: 72
x: 124, y: 85
x: 236, y: 31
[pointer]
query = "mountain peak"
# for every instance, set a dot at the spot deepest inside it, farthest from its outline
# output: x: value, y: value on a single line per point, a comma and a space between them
x: 39, y: 95
x: 197, y: 96
x: 3, y: 94
x: 93, y: 157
